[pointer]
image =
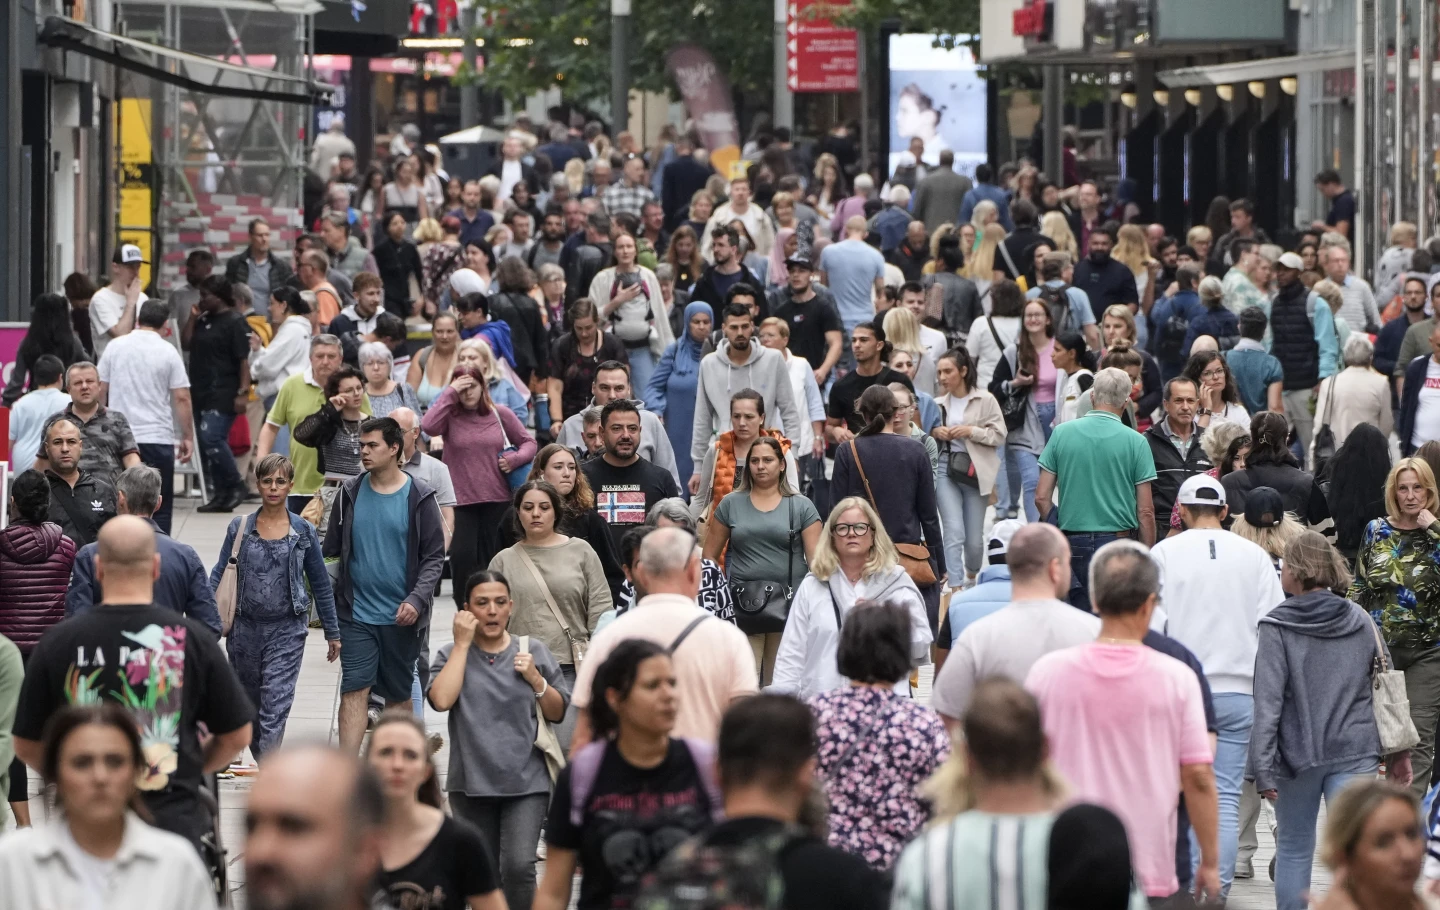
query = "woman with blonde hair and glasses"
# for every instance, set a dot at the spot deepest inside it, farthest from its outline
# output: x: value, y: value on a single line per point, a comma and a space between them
x: 1397, y: 580
x: 1314, y: 729
x: 854, y: 560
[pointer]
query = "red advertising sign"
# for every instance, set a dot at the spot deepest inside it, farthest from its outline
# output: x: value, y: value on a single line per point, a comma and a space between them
x: 819, y: 57
x: 1032, y: 20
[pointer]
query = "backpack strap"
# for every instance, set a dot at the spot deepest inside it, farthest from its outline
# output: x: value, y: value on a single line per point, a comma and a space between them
x: 584, y: 768
x: 685, y: 633
x: 704, y: 755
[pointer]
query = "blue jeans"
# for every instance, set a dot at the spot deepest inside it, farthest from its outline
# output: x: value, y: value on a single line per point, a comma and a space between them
x: 214, y: 433
x: 1046, y: 412
x: 282, y: 436
x: 962, y: 517
x: 1023, y: 470
x: 161, y: 458
x: 1296, y: 807
x: 642, y: 364
x: 1234, y: 716
x: 1083, y: 545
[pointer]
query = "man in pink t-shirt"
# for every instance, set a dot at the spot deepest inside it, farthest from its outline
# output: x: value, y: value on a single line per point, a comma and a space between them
x: 1126, y: 725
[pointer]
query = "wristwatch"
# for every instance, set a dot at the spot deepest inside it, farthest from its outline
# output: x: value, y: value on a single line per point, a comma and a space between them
x: 1204, y: 412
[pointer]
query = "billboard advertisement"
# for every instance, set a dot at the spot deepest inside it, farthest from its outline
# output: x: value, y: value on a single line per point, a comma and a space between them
x: 939, y: 97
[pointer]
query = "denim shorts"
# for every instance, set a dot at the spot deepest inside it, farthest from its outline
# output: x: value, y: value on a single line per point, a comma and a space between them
x: 380, y: 658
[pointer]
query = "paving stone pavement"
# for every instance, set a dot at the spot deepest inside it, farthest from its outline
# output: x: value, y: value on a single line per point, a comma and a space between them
x: 312, y: 718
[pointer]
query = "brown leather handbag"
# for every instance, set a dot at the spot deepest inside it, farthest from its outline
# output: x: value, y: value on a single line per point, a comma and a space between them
x: 914, y: 557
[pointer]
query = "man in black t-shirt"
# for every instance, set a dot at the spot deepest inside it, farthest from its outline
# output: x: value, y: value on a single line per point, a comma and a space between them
x: 218, y: 339
x: 625, y: 485
x: 1341, y: 216
x: 767, y: 752
x: 871, y: 351
x: 167, y: 670
x: 816, y: 332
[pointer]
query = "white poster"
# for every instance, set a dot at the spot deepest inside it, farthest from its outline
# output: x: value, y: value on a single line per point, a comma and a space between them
x: 939, y: 97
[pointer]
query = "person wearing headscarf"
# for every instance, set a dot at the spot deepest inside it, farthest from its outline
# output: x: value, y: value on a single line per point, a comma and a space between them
x: 778, y: 274
x: 671, y: 390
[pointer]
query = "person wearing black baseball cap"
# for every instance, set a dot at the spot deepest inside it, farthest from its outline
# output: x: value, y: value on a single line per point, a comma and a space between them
x: 816, y: 332
x: 114, y: 307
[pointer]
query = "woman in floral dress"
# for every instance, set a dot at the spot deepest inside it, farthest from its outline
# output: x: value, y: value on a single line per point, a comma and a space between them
x: 876, y: 746
x: 1397, y: 579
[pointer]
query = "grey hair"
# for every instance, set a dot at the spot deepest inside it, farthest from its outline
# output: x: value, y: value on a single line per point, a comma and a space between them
x: 141, y: 485
x: 324, y: 339
x: 1359, y: 352
x: 1122, y: 576
x: 674, y: 509
x: 864, y: 183
x: 1111, y: 389
x: 375, y: 350
x: 591, y: 415
x: 244, y: 297
x: 664, y: 272
x: 666, y: 552
x: 1211, y: 288
x: 549, y: 271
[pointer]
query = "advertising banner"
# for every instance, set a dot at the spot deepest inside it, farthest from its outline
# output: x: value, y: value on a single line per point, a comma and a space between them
x: 706, y: 92
x: 938, y: 97
x: 819, y: 57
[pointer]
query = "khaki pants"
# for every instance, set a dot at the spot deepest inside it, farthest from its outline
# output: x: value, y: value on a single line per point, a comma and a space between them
x: 765, y: 645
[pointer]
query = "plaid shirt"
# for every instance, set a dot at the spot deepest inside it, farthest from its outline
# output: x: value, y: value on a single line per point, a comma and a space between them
x: 619, y: 198
x: 107, y: 440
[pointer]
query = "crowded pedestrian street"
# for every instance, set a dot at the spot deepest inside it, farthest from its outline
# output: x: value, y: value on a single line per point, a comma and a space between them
x: 871, y: 455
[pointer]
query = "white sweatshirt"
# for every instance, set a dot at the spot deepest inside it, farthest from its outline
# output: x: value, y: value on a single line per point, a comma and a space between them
x: 1215, y: 586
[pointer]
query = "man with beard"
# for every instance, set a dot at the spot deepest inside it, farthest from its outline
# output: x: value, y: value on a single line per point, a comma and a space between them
x: 1392, y: 336
x: 612, y: 383
x: 726, y: 272
x: 312, y: 827
x: 1104, y: 280
x: 625, y: 485
x: 912, y: 253
x: 474, y: 221
x: 547, y: 247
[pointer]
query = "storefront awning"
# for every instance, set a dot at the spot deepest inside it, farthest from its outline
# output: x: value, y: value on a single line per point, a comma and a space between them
x: 1255, y: 70
x: 148, y: 59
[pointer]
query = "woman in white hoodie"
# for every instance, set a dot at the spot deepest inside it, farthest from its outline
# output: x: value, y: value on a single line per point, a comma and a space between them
x: 632, y: 306
x: 854, y: 560
x: 287, y: 353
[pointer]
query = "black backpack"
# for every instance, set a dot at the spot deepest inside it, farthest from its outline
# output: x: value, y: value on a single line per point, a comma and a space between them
x: 1057, y: 299
x: 1171, y: 338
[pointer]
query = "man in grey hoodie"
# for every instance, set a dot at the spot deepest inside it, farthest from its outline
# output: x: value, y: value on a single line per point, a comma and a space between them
x: 612, y: 382
x: 739, y: 363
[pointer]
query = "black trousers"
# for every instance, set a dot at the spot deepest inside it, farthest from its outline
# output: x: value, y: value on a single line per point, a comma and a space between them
x: 477, y: 539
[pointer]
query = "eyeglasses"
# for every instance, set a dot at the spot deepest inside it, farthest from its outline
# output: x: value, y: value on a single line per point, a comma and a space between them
x: 1213, y: 374
x: 858, y: 529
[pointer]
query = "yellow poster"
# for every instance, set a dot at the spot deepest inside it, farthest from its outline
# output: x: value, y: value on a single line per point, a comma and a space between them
x: 137, y: 179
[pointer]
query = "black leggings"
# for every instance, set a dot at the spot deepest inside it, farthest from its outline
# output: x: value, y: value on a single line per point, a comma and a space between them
x: 19, y: 781
x: 476, y: 541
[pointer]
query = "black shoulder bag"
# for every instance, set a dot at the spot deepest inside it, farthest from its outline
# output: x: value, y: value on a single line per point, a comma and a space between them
x: 763, y: 606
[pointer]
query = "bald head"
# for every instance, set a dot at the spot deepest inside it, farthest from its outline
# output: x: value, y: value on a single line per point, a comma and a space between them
x: 856, y: 226
x: 409, y: 427
x: 1034, y: 553
x: 669, y: 562
x: 1204, y: 343
x: 313, y: 821
x: 126, y: 562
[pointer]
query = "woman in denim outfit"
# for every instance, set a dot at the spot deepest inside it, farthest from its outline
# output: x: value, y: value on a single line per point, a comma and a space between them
x: 279, y: 568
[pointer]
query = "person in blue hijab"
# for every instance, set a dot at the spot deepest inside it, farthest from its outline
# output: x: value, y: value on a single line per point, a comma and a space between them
x: 671, y: 390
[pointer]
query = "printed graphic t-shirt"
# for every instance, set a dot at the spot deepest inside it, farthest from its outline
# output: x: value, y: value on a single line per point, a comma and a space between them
x: 633, y: 817
x: 453, y: 867
x: 623, y: 496
x: 167, y: 670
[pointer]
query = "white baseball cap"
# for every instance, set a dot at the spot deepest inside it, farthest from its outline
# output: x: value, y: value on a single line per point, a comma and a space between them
x: 1291, y: 261
x: 1201, y: 490
x: 128, y: 254
x: 1000, y: 535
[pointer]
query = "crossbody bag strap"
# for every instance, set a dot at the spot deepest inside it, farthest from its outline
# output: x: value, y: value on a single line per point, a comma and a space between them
x: 1329, y: 401
x: 868, y: 493
x: 834, y: 606
x: 544, y: 589
x: 1009, y: 261
x: 990, y: 321
x: 790, y: 563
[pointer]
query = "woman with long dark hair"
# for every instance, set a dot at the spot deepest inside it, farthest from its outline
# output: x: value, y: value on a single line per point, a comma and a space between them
x: 1356, y: 481
x: 970, y: 435
x: 767, y: 532
x: 631, y: 715
x: 50, y: 332
x: 1073, y: 358
x: 398, y: 260
x: 1027, y: 368
x: 1271, y: 464
x: 423, y: 850
x: 1215, y: 385
x: 93, y: 760
x: 334, y: 430
x: 484, y: 442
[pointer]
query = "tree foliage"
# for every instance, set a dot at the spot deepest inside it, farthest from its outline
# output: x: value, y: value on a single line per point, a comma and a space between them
x: 532, y: 45
x: 945, y: 19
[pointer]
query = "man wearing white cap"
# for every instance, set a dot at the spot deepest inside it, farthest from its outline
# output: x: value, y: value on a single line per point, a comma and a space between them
x: 992, y: 586
x: 1215, y: 587
x: 113, y: 308
x: 1302, y: 334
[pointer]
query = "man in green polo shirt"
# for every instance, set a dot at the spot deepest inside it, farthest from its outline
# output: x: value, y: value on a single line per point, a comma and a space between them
x: 1104, y: 470
x: 300, y: 396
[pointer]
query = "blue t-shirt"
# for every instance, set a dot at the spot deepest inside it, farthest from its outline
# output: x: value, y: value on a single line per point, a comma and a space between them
x: 27, y: 420
x: 378, y: 541
x: 851, y: 268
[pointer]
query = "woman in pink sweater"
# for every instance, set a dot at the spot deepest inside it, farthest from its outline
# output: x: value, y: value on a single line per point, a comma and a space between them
x: 484, y: 442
